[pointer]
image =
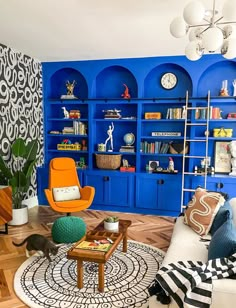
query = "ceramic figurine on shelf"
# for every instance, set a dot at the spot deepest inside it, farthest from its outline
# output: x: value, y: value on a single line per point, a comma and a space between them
x: 126, y: 92
x: 234, y: 85
x: 171, y: 167
x: 66, y: 113
x: 110, y: 137
x: 224, y: 88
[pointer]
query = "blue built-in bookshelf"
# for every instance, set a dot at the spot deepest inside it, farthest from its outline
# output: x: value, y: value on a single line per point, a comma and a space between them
x: 99, y: 87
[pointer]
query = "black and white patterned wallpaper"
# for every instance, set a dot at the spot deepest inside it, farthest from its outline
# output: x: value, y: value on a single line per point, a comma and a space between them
x: 21, y: 108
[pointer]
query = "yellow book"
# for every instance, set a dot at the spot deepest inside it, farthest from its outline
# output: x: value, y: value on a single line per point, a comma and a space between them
x: 94, y: 246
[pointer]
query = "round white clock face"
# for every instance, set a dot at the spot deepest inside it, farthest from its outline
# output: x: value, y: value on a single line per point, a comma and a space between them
x: 168, y: 81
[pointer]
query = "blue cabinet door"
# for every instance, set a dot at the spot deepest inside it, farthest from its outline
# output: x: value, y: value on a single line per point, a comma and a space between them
x: 111, y: 189
x: 158, y: 192
x: 218, y: 183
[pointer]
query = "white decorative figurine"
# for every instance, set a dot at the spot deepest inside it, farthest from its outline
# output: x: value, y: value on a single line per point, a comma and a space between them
x: 110, y: 137
x: 234, y: 85
x: 232, y: 147
x: 66, y: 113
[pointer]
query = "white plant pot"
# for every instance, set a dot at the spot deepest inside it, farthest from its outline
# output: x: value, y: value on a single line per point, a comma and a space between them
x: 19, y: 216
x: 111, y: 226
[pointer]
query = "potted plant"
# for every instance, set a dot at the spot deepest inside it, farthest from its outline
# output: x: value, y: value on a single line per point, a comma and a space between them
x: 111, y: 223
x: 17, y: 173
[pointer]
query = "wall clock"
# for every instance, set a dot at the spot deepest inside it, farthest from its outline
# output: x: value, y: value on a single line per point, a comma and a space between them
x: 168, y: 81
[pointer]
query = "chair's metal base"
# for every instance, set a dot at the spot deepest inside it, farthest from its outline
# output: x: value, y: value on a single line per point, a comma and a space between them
x: 6, y: 229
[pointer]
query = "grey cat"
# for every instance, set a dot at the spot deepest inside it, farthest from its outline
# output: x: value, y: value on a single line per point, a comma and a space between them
x: 40, y: 243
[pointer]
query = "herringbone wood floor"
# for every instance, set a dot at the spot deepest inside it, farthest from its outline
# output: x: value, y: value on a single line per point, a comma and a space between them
x: 153, y: 230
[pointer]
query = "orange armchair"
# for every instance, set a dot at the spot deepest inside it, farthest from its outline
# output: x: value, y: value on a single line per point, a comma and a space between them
x: 63, y: 173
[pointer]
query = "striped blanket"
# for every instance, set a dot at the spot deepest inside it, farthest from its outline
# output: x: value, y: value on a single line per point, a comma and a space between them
x: 190, y: 283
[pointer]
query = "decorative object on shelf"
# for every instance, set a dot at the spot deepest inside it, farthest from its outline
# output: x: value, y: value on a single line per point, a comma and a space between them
x: 152, y: 165
x: 222, y: 132
x: 178, y: 148
x: 108, y: 161
x: 222, y: 161
x: 101, y: 147
x: 110, y: 137
x: 129, y: 140
x: 152, y: 115
x: 234, y: 85
x: 84, y: 145
x: 206, y: 162
x: 70, y: 90
x: 209, y: 31
x: 81, y: 163
x: 111, y: 223
x: 210, y: 170
x: 74, y: 114
x: 78, y: 146
x: 168, y: 81
x: 66, y: 113
x: 166, y: 134
x: 54, y: 132
x: 232, y: 148
x: 126, y: 166
x: 224, y: 88
x: 126, y: 92
x: 231, y: 115
x: 171, y: 166
x: 112, y: 114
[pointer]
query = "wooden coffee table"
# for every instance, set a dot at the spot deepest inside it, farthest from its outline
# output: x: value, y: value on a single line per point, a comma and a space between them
x: 100, y: 257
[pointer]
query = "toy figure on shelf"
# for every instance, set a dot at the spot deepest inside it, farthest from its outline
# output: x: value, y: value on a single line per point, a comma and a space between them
x: 84, y: 145
x: 126, y: 92
x: 224, y: 88
x: 171, y: 167
x: 110, y: 137
x: 66, y: 113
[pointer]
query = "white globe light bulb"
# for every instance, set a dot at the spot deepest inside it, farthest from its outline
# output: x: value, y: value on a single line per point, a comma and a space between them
x: 228, y: 49
x: 229, y: 10
x: 178, y: 27
x: 212, y: 39
x: 193, y: 51
x: 194, y: 13
x: 195, y: 34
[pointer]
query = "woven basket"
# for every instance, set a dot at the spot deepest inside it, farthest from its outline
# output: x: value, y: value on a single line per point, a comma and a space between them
x: 108, y: 161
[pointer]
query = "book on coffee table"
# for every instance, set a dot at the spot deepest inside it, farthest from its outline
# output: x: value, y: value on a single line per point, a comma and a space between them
x: 94, y: 246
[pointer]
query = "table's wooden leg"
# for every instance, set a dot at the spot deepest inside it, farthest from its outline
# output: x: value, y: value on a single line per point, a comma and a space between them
x: 125, y: 242
x: 101, y: 277
x: 80, y: 274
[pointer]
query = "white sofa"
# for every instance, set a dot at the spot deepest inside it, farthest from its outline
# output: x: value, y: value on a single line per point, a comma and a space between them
x: 186, y: 245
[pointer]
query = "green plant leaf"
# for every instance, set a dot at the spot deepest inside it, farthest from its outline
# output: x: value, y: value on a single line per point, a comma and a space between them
x: 31, y: 150
x: 4, y: 169
x: 18, y: 148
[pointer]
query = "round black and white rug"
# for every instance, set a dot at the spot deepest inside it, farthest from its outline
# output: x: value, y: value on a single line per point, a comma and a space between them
x: 39, y: 283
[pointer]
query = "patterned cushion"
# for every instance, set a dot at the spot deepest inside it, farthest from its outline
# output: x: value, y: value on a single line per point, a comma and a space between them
x: 202, y: 209
x: 225, y: 212
x: 223, y: 242
x: 66, y: 193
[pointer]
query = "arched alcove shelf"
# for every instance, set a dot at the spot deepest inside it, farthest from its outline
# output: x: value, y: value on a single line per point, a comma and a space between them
x: 110, y: 82
x: 152, y: 82
x: 213, y: 76
x: 59, y: 79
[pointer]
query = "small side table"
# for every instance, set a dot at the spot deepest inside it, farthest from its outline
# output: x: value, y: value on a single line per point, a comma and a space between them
x: 5, y: 207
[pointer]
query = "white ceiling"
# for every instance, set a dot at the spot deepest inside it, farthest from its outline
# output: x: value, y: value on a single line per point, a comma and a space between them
x: 57, y: 30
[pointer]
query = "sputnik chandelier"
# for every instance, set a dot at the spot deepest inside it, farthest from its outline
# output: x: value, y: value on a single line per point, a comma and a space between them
x: 208, y: 30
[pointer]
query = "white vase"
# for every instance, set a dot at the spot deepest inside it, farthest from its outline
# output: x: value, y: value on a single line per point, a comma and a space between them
x: 111, y: 226
x: 19, y: 216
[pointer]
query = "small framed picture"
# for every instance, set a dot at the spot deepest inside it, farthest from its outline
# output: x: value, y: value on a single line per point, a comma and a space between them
x: 222, y: 161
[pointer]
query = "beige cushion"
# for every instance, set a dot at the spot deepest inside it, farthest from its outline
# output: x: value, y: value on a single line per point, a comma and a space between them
x: 202, y: 209
x: 66, y: 193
